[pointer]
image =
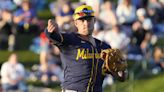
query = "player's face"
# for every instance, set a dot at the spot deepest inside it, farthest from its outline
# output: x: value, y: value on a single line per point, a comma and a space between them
x: 85, y: 26
x: 13, y: 59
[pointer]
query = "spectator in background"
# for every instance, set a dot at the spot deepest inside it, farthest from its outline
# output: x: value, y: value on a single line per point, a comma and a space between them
x: 64, y: 16
x: 7, y: 4
x: 152, y: 14
x: 138, y: 33
x: 157, y: 62
x: 147, y: 26
x: 44, y: 47
x: 55, y: 63
x: 145, y: 21
x: 7, y: 32
x: 25, y: 18
x: 134, y: 51
x: 40, y: 45
x: 44, y: 73
x: 56, y: 5
x: 44, y: 42
x: 35, y: 46
x: 55, y: 55
x: 148, y: 43
x: 126, y: 12
x: 107, y: 11
x: 49, y: 70
x: 13, y: 75
x: 155, y: 12
x: 115, y: 37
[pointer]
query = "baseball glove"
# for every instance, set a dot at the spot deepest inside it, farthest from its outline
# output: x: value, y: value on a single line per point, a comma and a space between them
x: 114, y: 63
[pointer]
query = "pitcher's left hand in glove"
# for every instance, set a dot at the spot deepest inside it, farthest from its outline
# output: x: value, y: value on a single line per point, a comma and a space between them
x: 114, y: 63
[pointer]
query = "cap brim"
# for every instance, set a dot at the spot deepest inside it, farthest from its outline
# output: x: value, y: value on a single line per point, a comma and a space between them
x: 85, y: 17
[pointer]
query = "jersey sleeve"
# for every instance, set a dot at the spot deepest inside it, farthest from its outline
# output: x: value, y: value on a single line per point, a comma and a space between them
x: 105, y: 46
x: 59, y: 39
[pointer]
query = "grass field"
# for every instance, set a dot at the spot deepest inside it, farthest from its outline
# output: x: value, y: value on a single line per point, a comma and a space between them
x: 153, y: 84
x: 150, y: 85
